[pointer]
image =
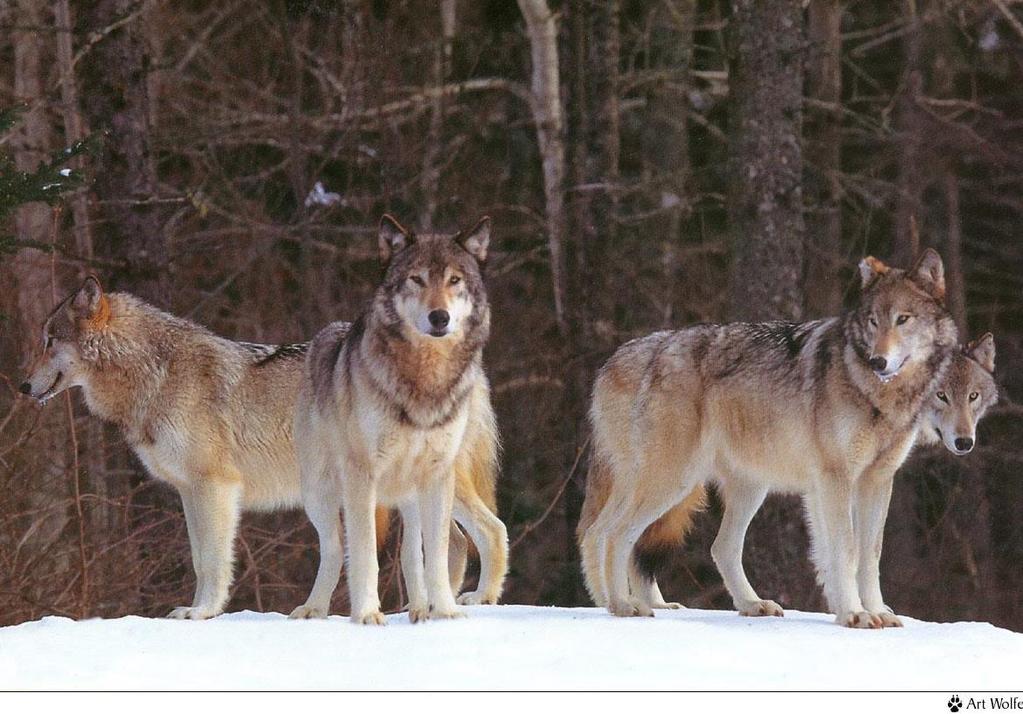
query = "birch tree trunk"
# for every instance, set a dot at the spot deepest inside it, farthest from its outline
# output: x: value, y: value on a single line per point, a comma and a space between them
x: 542, y: 30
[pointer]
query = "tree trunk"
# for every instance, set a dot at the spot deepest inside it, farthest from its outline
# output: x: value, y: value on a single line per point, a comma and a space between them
x: 823, y: 159
x: 765, y: 177
x: 430, y: 180
x: 542, y: 30
x: 32, y: 273
x: 766, y: 223
x: 116, y: 101
x: 908, y: 212
x: 667, y: 145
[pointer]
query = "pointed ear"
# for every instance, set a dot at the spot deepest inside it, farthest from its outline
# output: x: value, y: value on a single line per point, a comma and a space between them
x: 477, y: 239
x: 393, y: 237
x: 982, y: 349
x: 870, y: 268
x: 89, y: 302
x: 929, y: 273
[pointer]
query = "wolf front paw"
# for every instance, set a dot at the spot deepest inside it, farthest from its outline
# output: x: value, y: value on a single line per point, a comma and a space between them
x: 369, y: 618
x: 308, y: 612
x: 860, y: 620
x: 478, y: 597
x: 762, y: 608
x: 888, y: 618
x: 192, y: 613
x: 668, y: 606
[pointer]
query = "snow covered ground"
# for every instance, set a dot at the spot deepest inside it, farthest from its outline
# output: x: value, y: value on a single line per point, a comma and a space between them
x: 508, y: 647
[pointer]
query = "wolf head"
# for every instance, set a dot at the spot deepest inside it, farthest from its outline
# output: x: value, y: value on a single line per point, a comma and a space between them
x: 433, y: 284
x: 901, y: 319
x: 66, y: 333
x: 964, y: 394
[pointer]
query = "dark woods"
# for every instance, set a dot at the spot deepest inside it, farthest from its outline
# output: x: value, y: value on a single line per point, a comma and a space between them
x: 647, y: 164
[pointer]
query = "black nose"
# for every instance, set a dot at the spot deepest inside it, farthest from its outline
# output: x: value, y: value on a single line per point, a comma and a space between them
x: 25, y: 387
x: 877, y: 363
x: 439, y: 319
x: 964, y: 444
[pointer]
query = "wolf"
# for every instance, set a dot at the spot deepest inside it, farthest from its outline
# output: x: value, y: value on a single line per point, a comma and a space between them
x: 211, y: 417
x: 828, y: 409
x: 389, y: 409
x: 966, y: 392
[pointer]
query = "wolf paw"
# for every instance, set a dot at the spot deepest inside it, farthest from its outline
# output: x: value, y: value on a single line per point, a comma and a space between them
x: 477, y: 597
x: 668, y: 606
x: 762, y: 608
x: 888, y: 618
x: 308, y: 612
x: 860, y: 621
x: 369, y: 618
x: 418, y: 614
x: 626, y: 608
x: 192, y: 613
x: 446, y: 613
x: 955, y: 703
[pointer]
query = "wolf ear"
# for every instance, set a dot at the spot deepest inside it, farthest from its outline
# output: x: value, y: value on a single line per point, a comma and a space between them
x: 89, y: 303
x: 870, y: 268
x: 982, y: 349
x: 477, y: 239
x: 393, y: 237
x: 929, y: 273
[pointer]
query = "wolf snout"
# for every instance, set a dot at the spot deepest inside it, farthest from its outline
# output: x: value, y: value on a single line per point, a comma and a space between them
x: 877, y: 364
x: 439, y: 319
x: 25, y: 388
x: 964, y: 445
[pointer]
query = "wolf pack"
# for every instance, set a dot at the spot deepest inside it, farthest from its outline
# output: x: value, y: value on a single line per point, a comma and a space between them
x: 393, y: 411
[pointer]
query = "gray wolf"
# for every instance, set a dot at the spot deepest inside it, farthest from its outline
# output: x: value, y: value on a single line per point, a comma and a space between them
x: 828, y: 409
x: 965, y: 393
x: 390, y: 409
x: 209, y: 416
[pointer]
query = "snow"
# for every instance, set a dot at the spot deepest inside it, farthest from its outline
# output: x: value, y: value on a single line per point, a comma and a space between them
x: 508, y: 647
x: 319, y: 196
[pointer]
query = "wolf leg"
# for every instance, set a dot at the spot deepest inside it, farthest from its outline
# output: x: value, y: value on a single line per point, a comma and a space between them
x: 491, y: 539
x: 436, y: 500
x: 212, y: 510
x: 834, y: 496
x: 742, y: 500
x: 640, y: 509
x: 591, y: 549
x: 412, y: 562
x: 358, y: 497
x: 874, y: 492
x: 322, y: 506
x: 645, y: 589
x: 458, y: 557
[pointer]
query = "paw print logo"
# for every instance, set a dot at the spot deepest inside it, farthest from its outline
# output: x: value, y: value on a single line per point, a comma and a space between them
x: 955, y: 703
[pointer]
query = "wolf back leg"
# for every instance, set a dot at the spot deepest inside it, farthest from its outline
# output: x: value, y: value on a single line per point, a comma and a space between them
x: 491, y: 538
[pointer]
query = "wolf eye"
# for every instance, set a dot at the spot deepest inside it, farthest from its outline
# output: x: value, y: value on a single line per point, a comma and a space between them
x: 973, y: 396
x: 455, y: 280
x: 872, y: 320
x: 943, y: 397
x: 417, y: 280
x: 902, y: 319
